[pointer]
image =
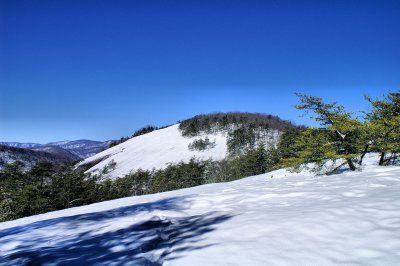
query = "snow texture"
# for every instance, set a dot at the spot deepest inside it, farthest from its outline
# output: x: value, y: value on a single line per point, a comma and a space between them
x: 277, y: 218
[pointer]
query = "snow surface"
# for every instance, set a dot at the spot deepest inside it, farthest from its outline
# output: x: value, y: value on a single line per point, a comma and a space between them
x: 155, y: 150
x: 277, y: 218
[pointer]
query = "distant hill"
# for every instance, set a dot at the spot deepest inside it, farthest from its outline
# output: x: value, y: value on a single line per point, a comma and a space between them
x: 59, y: 152
x: 21, y: 145
x: 30, y: 157
x: 213, y: 136
x: 81, y: 148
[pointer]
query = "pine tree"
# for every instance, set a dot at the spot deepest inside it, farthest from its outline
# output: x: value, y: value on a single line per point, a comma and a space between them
x: 384, y: 125
x: 11, y: 181
x: 340, y: 136
x: 313, y: 145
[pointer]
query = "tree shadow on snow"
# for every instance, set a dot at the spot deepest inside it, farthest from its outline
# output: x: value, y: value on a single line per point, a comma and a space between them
x: 148, y: 243
x: 173, y: 204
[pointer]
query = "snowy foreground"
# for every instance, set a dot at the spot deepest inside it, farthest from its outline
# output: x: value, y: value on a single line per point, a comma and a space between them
x: 290, y: 219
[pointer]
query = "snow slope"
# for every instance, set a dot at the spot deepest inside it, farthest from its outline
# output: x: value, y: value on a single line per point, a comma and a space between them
x: 277, y: 218
x: 155, y: 150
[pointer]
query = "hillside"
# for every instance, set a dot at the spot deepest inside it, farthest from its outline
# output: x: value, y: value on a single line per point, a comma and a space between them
x: 57, y: 151
x: 278, y: 218
x: 153, y: 150
x: 217, y: 135
x: 30, y: 157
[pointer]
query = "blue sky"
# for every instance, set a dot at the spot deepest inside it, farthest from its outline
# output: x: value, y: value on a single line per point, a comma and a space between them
x: 102, y: 69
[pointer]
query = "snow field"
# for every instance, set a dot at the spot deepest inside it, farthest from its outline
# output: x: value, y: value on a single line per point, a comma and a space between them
x: 290, y: 219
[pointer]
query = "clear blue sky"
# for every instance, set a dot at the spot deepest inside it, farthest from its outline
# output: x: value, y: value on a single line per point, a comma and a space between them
x: 101, y: 69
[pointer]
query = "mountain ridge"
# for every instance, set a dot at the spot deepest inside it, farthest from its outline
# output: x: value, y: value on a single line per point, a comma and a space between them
x: 30, y: 157
x: 82, y: 148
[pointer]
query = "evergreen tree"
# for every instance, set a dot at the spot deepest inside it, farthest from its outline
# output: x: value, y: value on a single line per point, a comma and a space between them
x: 11, y: 181
x: 313, y: 146
x: 340, y: 136
x: 384, y: 126
x: 178, y: 176
x: 285, y: 148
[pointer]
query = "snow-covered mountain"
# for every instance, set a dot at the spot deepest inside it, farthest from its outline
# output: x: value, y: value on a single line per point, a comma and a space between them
x: 278, y: 218
x: 81, y: 148
x: 157, y: 149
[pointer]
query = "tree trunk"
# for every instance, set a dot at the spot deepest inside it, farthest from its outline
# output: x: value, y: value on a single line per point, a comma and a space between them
x: 382, y: 159
x: 351, y: 164
x: 349, y: 161
x: 363, y: 154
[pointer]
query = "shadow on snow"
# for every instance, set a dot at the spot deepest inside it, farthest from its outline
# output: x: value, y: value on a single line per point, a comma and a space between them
x: 148, y: 243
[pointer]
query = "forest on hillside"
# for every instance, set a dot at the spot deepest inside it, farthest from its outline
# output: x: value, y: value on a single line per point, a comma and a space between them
x: 229, y: 121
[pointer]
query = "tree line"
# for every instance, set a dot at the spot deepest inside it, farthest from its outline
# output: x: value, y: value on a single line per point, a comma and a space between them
x: 228, y: 121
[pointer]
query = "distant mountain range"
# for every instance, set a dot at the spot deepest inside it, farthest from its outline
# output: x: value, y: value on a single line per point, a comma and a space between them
x: 30, y: 157
x: 79, y: 149
x: 62, y: 152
